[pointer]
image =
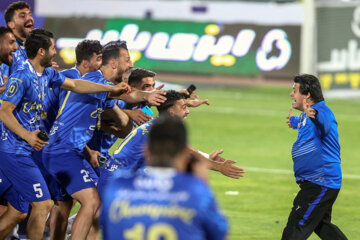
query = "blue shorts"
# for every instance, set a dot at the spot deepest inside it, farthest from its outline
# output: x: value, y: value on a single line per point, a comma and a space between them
x: 9, y: 194
x: 24, y: 176
x: 57, y: 192
x: 69, y: 170
x: 92, y: 172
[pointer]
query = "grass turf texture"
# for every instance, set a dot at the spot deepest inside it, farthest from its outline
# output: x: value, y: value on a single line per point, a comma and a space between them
x: 248, y: 123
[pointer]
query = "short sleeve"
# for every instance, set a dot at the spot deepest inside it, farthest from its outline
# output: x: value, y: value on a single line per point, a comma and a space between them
x: 5, y: 70
x: 322, y: 120
x: 15, y: 90
x: 56, y: 79
x: 294, y: 121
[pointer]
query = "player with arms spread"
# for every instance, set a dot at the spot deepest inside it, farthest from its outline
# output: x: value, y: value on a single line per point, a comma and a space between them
x: 316, y: 157
x: 165, y: 202
x: 129, y: 155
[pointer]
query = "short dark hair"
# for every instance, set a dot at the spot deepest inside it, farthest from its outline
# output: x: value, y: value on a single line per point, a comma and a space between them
x: 86, y: 48
x: 3, y: 31
x: 138, y: 74
x: 310, y: 84
x: 167, y: 138
x: 10, y: 10
x: 171, y: 97
x: 111, y: 50
x: 38, y: 38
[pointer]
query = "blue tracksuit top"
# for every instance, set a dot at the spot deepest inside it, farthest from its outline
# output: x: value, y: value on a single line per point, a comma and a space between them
x: 316, y: 151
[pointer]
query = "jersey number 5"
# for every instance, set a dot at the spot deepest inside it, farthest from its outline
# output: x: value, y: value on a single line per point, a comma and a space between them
x: 38, y: 190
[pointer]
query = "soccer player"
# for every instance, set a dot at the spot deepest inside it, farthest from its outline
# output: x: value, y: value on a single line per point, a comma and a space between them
x: 129, y: 155
x: 140, y: 79
x: 165, y: 202
x: 7, y: 48
x: 88, y: 59
x: 21, y: 111
x: 77, y: 119
x: 17, y: 207
x: 316, y: 157
x: 18, y: 18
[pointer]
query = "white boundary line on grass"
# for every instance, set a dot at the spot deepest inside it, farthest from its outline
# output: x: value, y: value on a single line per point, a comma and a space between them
x: 288, y: 172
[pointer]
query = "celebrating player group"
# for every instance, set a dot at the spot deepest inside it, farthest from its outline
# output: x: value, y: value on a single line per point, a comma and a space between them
x: 88, y: 135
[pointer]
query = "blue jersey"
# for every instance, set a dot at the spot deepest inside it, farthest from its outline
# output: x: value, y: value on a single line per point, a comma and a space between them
x: 101, y: 140
x: 26, y: 90
x: 55, y: 97
x: 77, y: 118
x: 316, y: 152
x: 161, y: 204
x: 130, y: 153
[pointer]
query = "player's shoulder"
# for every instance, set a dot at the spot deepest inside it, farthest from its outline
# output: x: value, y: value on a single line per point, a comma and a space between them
x: 93, y: 76
x: 323, y: 109
x: 148, y: 125
x: 196, y: 188
x: 123, y: 179
x: 72, y: 73
x: 22, y: 74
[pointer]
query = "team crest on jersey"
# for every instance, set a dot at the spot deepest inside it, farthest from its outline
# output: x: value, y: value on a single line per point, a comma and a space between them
x: 13, y: 88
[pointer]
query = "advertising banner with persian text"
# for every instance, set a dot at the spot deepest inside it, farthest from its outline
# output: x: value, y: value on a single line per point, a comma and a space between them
x: 338, y: 46
x: 188, y: 47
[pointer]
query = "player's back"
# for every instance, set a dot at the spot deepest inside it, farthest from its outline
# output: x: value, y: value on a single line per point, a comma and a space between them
x: 161, y: 204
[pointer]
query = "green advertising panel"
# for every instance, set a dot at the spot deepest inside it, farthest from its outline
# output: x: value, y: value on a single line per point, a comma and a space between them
x: 188, y: 47
x: 338, y: 35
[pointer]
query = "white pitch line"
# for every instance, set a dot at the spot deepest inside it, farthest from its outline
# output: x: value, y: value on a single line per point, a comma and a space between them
x: 288, y: 172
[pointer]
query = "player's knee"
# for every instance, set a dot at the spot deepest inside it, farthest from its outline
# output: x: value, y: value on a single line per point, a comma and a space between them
x: 93, y: 203
x: 42, y: 207
x: 21, y: 216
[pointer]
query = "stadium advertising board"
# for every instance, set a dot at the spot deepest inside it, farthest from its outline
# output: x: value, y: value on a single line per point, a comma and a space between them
x: 338, y: 46
x: 188, y: 47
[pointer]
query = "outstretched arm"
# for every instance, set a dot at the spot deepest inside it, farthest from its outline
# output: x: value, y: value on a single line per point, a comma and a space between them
x: 153, y: 98
x: 83, y: 86
x: 226, y: 167
x: 197, y: 102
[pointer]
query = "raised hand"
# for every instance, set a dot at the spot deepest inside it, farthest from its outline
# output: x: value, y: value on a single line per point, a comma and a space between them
x: 192, y: 96
x: 160, y: 87
x: 156, y: 98
x: 118, y: 89
x: 138, y: 116
x: 310, y: 112
x: 197, y: 102
x: 288, y: 117
x: 229, y: 169
x: 215, y: 156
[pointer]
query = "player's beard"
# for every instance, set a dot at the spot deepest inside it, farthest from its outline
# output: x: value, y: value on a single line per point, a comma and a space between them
x: 46, y: 61
x: 119, y: 75
x: 7, y: 59
x: 23, y: 33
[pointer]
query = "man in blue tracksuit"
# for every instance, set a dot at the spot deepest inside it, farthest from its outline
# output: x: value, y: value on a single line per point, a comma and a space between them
x: 316, y: 156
